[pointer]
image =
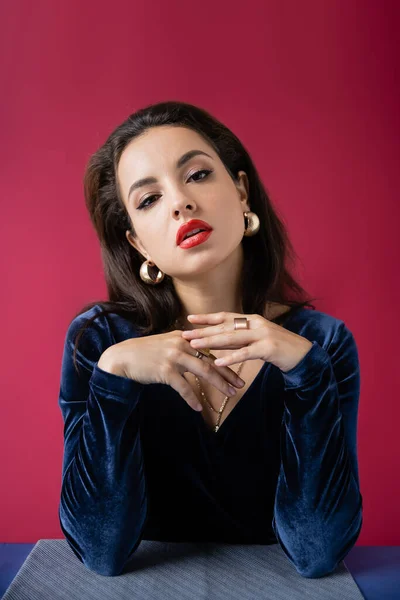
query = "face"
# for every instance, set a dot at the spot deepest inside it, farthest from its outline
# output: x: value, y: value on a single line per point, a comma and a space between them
x: 200, y: 188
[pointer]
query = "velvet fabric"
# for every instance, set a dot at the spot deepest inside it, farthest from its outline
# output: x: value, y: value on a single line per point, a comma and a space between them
x: 140, y: 464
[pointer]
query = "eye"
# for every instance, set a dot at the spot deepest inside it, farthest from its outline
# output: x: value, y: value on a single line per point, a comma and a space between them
x: 144, y: 205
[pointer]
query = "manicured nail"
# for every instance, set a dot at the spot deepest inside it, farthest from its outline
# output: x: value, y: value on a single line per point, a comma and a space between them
x: 232, y: 390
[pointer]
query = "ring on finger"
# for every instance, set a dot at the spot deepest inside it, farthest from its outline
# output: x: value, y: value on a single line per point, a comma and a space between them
x: 205, y: 352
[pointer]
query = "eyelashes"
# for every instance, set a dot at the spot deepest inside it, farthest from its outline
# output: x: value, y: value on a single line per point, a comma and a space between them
x: 144, y: 205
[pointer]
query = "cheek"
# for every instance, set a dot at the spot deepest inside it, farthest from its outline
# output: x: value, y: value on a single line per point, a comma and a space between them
x: 161, y: 244
x: 233, y: 220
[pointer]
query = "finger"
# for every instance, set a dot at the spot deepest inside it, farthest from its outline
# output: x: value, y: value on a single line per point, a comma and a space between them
x: 211, y: 318
x: 227, y: 360
x: 179, y: 383
x: 228, y: 374
x: 214, y: 318
x: 190, y: 334
x: 236, y: 357
x: 231, y: 376
x: 223, y: 326
x: 232, y: 340
x: 205, y: 369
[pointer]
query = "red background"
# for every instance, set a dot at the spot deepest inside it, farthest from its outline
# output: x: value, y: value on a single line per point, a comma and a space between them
x: 311, y: 88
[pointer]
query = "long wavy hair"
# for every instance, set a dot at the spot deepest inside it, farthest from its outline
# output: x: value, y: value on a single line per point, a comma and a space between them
x: 155, y: 309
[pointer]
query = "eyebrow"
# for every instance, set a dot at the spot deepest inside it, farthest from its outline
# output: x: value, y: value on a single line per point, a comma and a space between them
x: 181, y: 161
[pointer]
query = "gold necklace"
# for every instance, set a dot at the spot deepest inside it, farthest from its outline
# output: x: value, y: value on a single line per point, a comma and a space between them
x: 225, y: 401
x: 220, y: 411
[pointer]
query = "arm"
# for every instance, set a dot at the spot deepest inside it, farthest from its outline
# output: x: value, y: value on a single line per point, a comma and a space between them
x: 103, y: 503
x: 318, y: 504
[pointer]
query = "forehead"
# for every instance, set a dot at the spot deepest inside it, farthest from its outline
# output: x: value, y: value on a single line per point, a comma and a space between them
x: 158, y: 148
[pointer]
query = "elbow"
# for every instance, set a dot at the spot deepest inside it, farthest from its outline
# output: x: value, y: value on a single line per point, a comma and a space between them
x: 109, y: 563
x: 313, y: 567
x: 98, y: 530
x: 318, y: 569
x: 327, y: 564
x: 319, y: 557
x: 101, y: 553
x: 103, y: 566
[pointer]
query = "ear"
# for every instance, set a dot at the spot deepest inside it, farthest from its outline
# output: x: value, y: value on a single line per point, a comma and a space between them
x: 243, y: 189
x: 137, y: 244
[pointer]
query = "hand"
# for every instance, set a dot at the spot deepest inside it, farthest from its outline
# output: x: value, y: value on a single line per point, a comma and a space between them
x: 263, y: 340
x: 165, y: 358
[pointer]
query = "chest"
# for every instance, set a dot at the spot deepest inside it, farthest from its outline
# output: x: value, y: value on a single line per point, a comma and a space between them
x: 215, y: 397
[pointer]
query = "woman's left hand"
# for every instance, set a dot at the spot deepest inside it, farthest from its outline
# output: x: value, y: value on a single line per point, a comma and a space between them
x: 263, y: 340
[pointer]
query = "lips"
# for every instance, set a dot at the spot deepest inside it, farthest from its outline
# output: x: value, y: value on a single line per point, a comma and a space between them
x: 191, y: 226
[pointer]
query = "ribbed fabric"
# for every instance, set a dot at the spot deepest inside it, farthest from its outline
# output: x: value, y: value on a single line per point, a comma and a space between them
x: 140, y: 464
x: 176, y: 571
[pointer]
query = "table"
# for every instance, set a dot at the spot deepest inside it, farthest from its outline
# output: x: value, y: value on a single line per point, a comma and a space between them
x: 376, y: 569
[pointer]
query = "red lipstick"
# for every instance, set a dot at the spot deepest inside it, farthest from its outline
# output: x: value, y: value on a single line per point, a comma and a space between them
x: 190, y: 226
x: 195, y: 240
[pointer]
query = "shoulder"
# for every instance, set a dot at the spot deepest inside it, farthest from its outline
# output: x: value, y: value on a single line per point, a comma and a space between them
x: 88, y: 335
x: 82, y: 319
x: 98, y: 330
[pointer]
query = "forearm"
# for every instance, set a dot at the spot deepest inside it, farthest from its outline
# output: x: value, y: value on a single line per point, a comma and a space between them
x: 318, y: 506
x: 103, y: 499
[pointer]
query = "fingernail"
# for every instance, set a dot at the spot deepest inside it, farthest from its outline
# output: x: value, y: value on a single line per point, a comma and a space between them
x: 240, y: 382
x: 232, y: 390
x: 199, y: 407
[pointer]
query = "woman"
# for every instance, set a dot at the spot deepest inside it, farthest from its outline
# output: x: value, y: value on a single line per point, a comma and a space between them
x: 187, y: 228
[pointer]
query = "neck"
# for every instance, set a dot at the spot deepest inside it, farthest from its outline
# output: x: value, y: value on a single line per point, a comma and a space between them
x: 218, y: 289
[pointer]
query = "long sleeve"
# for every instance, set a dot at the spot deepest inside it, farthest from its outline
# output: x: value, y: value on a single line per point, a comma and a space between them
x: 318, y: 505
x: 103, y: 503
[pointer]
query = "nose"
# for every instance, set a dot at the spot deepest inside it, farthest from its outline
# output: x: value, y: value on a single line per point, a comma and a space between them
x: 182, y: 204
x: 177, y: 211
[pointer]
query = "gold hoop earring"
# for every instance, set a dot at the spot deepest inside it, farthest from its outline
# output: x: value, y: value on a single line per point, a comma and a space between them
x: 252, y: 223
x: 144, y: 273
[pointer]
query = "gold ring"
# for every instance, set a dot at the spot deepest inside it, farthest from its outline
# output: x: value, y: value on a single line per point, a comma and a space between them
x: 240, y: 323
x: 205, y: 352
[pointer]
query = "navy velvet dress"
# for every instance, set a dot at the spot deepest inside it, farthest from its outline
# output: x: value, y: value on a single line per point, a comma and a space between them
x: 140, y: 464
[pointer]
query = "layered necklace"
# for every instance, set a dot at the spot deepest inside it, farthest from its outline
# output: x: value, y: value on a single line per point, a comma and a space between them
x: 224, y: 403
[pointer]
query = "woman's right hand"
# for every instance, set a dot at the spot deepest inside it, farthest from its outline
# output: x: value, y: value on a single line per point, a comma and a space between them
x: 165, y: 358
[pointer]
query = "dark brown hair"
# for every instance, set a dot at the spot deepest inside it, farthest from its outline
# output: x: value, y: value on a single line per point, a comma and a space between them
x: 154, y: 309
